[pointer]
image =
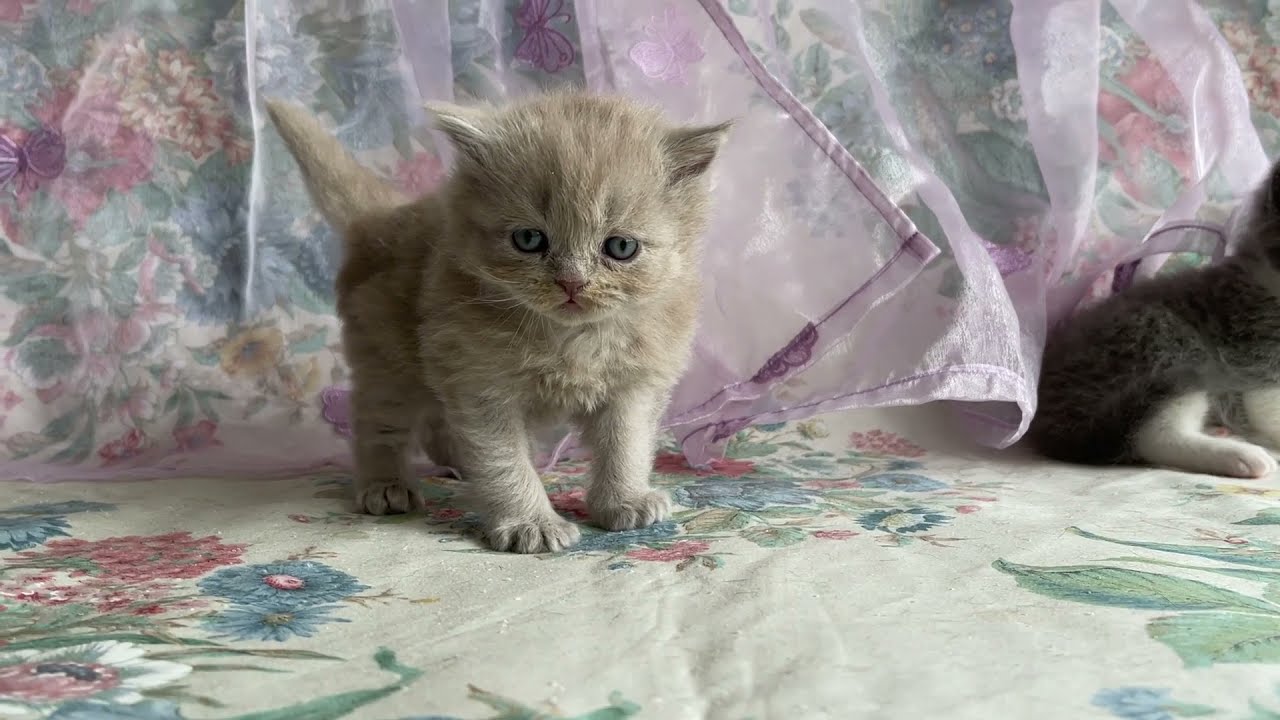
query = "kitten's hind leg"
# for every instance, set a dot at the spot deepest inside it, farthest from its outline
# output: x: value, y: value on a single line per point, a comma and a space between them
x: 1262, y: 415
x: 385, y: 480
x: 1173, y: 435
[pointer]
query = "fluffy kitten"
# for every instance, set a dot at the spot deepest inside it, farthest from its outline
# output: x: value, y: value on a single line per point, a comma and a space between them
x: 554, y: 275
x: 1133, y: 378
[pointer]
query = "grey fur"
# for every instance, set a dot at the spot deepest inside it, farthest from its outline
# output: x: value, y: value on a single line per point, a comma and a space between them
x: 1116, y: 375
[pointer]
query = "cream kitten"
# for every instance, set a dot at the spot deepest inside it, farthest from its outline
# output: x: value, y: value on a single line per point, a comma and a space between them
x: 554, y: 276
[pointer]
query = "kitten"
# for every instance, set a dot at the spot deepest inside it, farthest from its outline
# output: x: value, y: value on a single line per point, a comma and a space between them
x: 553, y: 276
x: 1134, y: 378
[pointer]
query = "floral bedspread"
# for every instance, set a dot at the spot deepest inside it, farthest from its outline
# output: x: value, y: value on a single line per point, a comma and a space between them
x: 852, y: 566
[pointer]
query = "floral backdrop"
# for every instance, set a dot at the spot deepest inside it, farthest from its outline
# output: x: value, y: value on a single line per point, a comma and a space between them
x: 158, y: 309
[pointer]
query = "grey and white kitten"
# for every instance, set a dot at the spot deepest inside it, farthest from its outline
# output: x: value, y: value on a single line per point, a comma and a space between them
x: 554, y: 276
x: 1136, y: 378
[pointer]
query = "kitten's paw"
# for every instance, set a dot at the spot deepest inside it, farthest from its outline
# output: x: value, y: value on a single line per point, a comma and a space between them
x: 630, y: 512
x: 548, y: 534
x: 1246, y: 461
x: 387, y: 498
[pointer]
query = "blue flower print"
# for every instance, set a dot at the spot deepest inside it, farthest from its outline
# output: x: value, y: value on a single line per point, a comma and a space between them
x: 904, y: 465
x: 901, y: 482
x: 903, y: 521
x: 271, y: 622
x: 739, y: 495
x: 145, y: 710
x: 980, y: 30
x: 27, y: 531
x: 22, y: 79
x: 613, y: 541
x: 294, y: 584
x: 1136, y: 703
x: 216, y: 220
x: 282, y: 66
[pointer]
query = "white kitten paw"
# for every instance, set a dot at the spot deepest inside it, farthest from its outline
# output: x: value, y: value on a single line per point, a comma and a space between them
x: 546, y: 534
x: 1246, y: 461
x: 630, y: 512
x: 387, y: 498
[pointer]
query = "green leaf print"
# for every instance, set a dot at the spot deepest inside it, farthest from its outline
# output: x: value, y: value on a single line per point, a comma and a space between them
x: 52, y: 311
x: 775, y: 537
x: 1006, y: 162
x: 1263, y: 576
x: 619, y: 708
x: 824, y: 27
x: 740, y: 450
x: 1203, y: 639
x: 1252, y: 554
x: 716, y: 520
x: 813, y: 68
x: 1159, y: 177
x: 1270, y: 516
x: 1119, y: 587
x: 340, y: 705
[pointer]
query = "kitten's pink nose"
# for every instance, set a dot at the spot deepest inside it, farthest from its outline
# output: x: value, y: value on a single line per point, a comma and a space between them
x: 571, y: 286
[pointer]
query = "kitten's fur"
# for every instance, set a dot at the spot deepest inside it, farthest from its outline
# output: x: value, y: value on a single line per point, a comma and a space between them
x: 1135, y: 378
x: 455, y: 335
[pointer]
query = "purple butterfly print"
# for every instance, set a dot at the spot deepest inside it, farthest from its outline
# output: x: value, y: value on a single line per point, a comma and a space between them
x: 1009, y: 259
x: 794, y: 355
x: 335, y: 408
x: 728, y: 428
x: 542, y: 46
x: 43, y: 156
x: 671, y: 48
x: 1123, y: 276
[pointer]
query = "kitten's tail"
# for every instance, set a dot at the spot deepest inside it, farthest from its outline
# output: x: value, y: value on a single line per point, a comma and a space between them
x: 341, y: 187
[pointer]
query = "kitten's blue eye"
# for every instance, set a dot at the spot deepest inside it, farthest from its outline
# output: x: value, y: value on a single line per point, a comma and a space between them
x: 621, y: 248
x: 529, y: 240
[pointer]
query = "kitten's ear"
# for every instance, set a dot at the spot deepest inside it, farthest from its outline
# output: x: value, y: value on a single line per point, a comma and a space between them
x: 467, y: 128
x: 690, y: 150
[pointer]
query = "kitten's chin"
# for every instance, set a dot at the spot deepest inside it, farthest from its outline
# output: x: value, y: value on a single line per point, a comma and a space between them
x: 572, y: 314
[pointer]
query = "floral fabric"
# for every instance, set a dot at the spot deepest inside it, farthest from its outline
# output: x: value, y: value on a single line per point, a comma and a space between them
x: 805, y: 574
x: 914, y: 189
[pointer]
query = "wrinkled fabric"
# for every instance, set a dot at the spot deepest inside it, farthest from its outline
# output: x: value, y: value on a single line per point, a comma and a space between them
x: 913, y: 192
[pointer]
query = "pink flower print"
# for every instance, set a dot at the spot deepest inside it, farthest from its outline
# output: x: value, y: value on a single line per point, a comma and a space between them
x: 675, y: 552
x: 132, y: 444
x: 15, y: 11
x: 571, y: 502
x: 670, y: 49
x: 138, y: 405
x: 421, y: 174
x: 543, y: 46
x: 101, y: 154
x: 197, y: 437
x: 131, y: 335
x: 880, y: 442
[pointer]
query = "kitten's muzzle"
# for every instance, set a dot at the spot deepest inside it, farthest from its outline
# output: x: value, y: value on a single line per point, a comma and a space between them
x: 571, y: 287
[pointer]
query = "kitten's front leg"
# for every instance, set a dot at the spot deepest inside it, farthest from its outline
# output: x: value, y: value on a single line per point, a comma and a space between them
x: 492, y: 448
x: 621, y: 437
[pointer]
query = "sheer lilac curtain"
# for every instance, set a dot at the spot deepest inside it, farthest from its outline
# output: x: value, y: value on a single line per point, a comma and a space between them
x: 913, y: 191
